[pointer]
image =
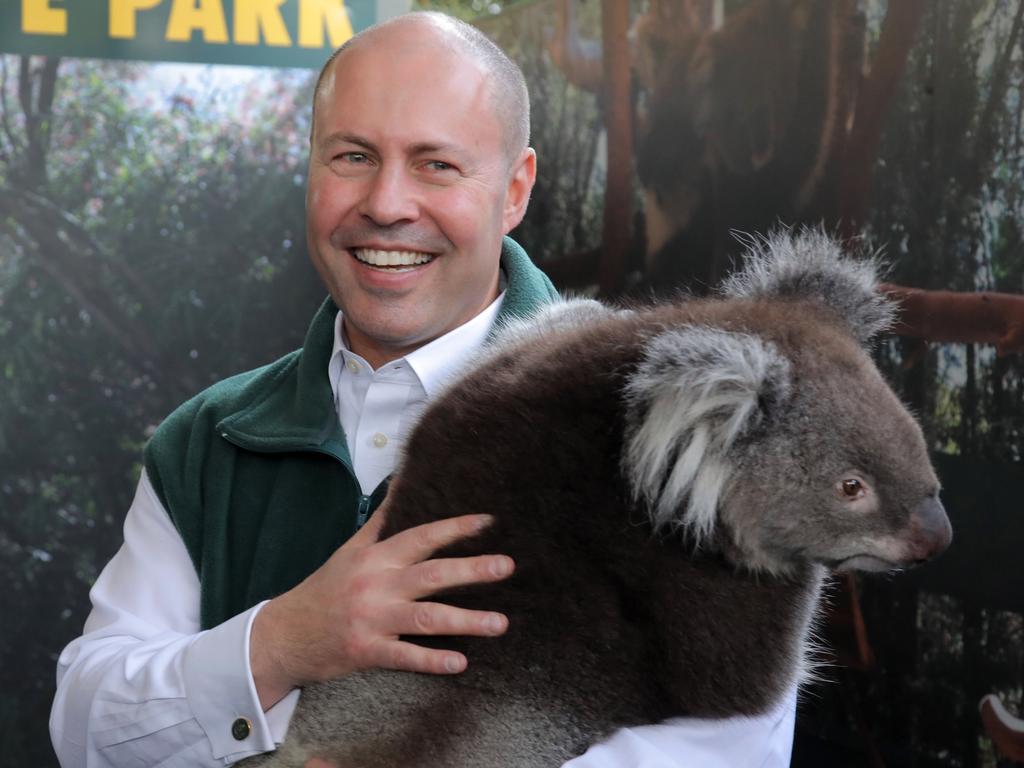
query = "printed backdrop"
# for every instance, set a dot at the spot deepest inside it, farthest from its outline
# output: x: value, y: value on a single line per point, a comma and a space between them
x: 151, y: 242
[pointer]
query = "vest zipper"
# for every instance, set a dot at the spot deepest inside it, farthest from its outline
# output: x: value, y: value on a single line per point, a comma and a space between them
x: 363, y: 514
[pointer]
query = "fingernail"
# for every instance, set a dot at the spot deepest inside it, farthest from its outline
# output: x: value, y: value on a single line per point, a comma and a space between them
x: 453, y: 664
x: 483, y: 521
x: 494, y: 623
x: 501, y: 566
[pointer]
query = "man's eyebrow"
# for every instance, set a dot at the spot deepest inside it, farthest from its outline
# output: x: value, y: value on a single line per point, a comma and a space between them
x: 419, y: 148
x: 341, y: 137
x: 429, y: 147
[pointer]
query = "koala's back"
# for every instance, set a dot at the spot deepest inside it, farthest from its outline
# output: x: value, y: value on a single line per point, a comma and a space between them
x: 672, y: 484
x: 610, y: 625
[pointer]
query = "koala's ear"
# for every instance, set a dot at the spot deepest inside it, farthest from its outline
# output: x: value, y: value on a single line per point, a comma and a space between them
x: 696, y: 391
x: 809, y: 264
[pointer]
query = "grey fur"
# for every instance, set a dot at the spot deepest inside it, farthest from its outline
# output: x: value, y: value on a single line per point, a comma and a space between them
x: 567, y: 314
x: 813, y: 265
x: 696, y: 391
x: 673, y: 484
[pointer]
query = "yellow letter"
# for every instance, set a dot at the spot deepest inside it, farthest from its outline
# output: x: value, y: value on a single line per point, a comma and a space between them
x: 122, y: 16
x: 207, y: 17
x: 251, y: 15
x: 38, y: 18
x: 313, y: 14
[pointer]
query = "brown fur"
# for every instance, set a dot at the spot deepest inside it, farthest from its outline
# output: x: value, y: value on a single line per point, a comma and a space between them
x: 611, y: 623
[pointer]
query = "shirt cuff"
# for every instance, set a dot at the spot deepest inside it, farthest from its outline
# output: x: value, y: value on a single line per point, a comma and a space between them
x: 222, y: 694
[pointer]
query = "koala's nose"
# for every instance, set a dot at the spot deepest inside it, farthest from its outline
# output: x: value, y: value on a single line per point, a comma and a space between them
x: 931, y: 532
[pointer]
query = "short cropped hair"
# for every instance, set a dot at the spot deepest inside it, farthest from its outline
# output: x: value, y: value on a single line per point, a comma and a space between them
x: 511, y: 100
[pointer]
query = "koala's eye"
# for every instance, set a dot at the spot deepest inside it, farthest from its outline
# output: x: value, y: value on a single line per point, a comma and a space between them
x: 851, y: 488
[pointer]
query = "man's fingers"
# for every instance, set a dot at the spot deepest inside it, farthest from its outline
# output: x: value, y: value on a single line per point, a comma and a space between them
x: 440, y: 619
x: 419, y: 543
x: 398, y: 654
x: 432, y: 576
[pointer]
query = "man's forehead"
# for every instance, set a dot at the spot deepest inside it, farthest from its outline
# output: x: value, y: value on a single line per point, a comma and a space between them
x: 407, y: 85
x: 432, y: 38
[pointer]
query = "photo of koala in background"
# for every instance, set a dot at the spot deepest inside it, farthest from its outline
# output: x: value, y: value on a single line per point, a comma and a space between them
x: 673, y: 483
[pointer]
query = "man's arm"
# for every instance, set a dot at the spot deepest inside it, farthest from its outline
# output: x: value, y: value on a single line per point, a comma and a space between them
x: 144, y: 686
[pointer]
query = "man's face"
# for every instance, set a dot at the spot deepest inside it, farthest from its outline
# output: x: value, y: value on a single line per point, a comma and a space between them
x: 409, y: 191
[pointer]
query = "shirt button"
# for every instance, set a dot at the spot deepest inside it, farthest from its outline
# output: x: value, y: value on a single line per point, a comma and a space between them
x: 241, y: 728
x: 353, y: 366
x: 380, y: 440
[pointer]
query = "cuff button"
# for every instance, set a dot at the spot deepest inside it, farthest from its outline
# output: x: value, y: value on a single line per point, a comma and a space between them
x: 241, y: 728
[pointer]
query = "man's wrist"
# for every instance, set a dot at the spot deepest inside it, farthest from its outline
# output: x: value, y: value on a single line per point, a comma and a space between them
x: 268, y: 673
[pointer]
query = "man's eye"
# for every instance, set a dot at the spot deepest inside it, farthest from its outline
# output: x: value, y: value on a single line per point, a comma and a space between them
x: 356, y: 158
x: 439, y: 165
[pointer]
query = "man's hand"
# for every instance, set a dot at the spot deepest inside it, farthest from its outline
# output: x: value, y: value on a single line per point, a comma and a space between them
x: 348, y: 614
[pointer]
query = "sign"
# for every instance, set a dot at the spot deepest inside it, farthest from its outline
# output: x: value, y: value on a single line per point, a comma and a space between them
x: 277, y: 33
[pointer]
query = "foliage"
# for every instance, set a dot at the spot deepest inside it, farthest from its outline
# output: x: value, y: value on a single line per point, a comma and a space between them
x: 161, y: 250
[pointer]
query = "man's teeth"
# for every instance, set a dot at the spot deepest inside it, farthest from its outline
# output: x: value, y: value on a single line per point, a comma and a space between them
x: 391, y: 258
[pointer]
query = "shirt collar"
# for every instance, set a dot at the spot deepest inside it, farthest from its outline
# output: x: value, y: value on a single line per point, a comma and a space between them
x: 433, y: 363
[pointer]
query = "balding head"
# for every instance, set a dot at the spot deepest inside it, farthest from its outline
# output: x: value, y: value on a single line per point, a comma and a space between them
x: 509, y: 98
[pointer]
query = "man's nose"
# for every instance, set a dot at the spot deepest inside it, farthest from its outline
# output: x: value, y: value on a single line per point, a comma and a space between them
x: 390, y: 197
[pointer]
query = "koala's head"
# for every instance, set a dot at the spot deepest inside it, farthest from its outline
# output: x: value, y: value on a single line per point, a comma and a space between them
x: 776, y: 437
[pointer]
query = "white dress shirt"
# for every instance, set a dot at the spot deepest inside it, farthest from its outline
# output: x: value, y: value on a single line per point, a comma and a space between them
x: 143, y: 686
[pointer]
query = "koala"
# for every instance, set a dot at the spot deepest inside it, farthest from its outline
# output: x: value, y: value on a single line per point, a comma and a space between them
x: 674, y: 483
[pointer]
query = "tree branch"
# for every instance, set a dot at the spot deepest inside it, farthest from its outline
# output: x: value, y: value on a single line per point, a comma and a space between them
x: 898, y: 32
x: 7, y: 152
x: 948, y: 316
x: 44, y: 106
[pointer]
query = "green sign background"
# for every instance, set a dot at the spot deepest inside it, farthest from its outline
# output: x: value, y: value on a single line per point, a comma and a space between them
x: 88, y: 23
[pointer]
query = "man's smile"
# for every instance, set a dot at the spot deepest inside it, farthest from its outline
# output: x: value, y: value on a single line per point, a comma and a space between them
x: 392, y: 261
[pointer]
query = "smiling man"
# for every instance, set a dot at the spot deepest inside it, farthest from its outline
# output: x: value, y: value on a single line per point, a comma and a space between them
x: 251, y: 565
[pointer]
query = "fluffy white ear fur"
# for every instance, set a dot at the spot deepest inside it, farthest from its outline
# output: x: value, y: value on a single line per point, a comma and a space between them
x: 696, y: 391
x: 809, y: 264
x: 564, y: 315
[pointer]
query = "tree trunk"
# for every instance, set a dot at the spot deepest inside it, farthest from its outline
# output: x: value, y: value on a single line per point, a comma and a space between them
x: 861, y: 150
x: 618, y: 199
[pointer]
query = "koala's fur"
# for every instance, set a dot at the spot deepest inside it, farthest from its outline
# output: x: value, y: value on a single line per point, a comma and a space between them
x: 669, y: 482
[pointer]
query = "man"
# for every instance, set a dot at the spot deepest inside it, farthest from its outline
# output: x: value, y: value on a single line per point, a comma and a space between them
x: 245, y: 573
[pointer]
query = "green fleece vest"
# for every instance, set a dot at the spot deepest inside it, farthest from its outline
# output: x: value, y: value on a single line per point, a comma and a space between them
x: 255, y: 471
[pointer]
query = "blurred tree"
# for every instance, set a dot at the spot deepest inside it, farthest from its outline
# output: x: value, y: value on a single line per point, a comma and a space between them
x: 146, y: 250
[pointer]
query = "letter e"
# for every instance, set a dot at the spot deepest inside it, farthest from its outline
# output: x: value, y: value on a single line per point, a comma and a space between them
x: 38, y: 18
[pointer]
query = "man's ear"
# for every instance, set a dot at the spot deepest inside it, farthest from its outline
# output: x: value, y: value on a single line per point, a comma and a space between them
x: 520, y: 184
